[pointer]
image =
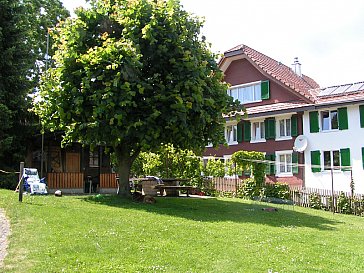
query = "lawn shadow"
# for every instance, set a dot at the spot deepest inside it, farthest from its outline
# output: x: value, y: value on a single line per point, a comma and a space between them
x: 221, y: 210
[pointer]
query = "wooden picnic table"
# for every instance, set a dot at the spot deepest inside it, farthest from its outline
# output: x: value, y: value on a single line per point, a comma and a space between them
x: 174, y: 190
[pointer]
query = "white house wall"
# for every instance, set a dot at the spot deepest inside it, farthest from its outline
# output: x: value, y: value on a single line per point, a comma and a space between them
x: 352, y: 138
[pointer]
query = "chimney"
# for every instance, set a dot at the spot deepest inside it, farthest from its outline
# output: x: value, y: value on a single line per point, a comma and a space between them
x: 296, y: 67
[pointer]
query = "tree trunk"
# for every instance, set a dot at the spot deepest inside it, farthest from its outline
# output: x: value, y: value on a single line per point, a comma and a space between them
x: 124, y: 162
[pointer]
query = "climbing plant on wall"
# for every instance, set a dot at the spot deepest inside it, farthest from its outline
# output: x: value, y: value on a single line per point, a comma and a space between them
x: 251, y: 160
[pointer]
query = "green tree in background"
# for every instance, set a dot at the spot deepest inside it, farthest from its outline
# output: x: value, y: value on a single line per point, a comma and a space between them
x: 132, y: 75
x: 23, y: 36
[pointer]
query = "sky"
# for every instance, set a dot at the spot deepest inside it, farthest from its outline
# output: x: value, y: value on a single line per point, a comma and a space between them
x: 327, y: 36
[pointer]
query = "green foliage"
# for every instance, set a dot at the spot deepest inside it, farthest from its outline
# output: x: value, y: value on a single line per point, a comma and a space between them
x: 169, y: 162
x: 23, y: 31
x: 315, y: 201
x: 214, y: 168
x: 277, y: 190
x: 251, y: 160
x: 134, y: 75
x: 8, y: 181
x: 344, y: 204
x: 249, y: 189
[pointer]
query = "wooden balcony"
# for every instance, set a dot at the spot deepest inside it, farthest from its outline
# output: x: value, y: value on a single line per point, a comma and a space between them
x: 65, y: 180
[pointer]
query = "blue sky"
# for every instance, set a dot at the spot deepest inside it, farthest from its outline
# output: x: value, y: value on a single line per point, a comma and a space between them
x: 326, y: 35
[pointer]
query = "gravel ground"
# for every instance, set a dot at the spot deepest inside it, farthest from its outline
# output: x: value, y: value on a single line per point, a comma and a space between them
x: 4, y: 233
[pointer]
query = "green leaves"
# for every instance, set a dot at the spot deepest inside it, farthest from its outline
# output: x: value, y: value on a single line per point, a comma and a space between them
x: 140, y: 72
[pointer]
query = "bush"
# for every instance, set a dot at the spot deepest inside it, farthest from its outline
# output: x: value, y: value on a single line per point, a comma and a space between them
x: 277, y: 190
x: 344, y: 204
x: 315, y: 201
x: 249, y: 189
x: 8, y: 181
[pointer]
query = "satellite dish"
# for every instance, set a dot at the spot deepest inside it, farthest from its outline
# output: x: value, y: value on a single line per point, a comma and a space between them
x: 300, y: 144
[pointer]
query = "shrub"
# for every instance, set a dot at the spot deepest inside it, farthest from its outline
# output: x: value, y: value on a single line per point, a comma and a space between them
x: 8, y: 181
x: 249, y: 189
x: 315, y: 201
x: 277, y: 190
x: 344, y: 204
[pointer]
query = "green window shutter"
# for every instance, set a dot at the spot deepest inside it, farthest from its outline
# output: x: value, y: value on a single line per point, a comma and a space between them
x: 345, y: 159
x: 267, y: 165
x: 362, y: 156
x: 246, y: 133
x: 361, y: 111
x: 240, y: 132
x: 265, y: 90
x: 314, y: 122
x: 294, y: 162
x: 315, y: 161
x: 270, y: 128
x: 343, y: 118
x: 270, y: 166
x: 294, y: 125
x: 273, y: 165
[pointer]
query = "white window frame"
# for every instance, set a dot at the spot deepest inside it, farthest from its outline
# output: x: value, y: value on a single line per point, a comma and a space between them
x: 253, y: 138
x: 330, y: 120
x: 335, y: 168
x: 231, y: 135
x: 287, y: 165
x: 278, y: 128
x: 241, y: 92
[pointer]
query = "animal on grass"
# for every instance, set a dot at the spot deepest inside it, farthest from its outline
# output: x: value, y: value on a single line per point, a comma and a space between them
x: 270, y: 209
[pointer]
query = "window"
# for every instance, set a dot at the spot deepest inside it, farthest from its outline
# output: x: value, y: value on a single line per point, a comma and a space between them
x: 285, y: 127
x: 284, y: 163
x: 329, y: 120
x: 335, y: 159
x: 231, y: 135
x: 258, y: 131
x: 94, y: 158
x: 251, y: 92
x: 331, y: 160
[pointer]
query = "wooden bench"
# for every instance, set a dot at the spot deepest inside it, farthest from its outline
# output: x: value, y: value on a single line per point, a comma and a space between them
x: 162, y: 187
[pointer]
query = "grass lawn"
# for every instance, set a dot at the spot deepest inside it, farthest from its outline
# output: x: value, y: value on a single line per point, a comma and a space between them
x: 106, y: 234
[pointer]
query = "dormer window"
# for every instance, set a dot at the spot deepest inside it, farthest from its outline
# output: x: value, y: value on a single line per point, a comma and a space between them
x: 250, y: 92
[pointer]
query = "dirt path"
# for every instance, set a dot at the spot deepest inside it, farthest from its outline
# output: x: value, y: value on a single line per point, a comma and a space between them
x: 4, y: 233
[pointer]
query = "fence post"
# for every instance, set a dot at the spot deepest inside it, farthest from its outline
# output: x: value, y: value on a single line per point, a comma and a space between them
x: 21, y: 181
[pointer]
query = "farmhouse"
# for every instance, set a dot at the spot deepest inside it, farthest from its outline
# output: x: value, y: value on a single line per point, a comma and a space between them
x: 282, y: 104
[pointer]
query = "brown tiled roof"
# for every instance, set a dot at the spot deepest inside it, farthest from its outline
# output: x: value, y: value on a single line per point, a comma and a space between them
x: 277, y: 70
x: 276, y: 108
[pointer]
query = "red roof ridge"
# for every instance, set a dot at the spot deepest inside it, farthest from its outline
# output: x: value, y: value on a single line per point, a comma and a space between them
x: 279, y: 71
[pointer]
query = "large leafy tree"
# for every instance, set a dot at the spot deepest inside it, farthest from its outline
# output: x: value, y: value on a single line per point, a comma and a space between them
x: 133, y: 75
x: 23, y: 36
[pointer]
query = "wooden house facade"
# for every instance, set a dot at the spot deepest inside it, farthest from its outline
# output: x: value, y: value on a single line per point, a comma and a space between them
x: 73, y: 168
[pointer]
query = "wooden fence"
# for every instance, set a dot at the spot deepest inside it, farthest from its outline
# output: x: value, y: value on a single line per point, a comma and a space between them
x: 226, y: 184
x: 65, y: 180
x: 336, y: 201
x: 108, y: 180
